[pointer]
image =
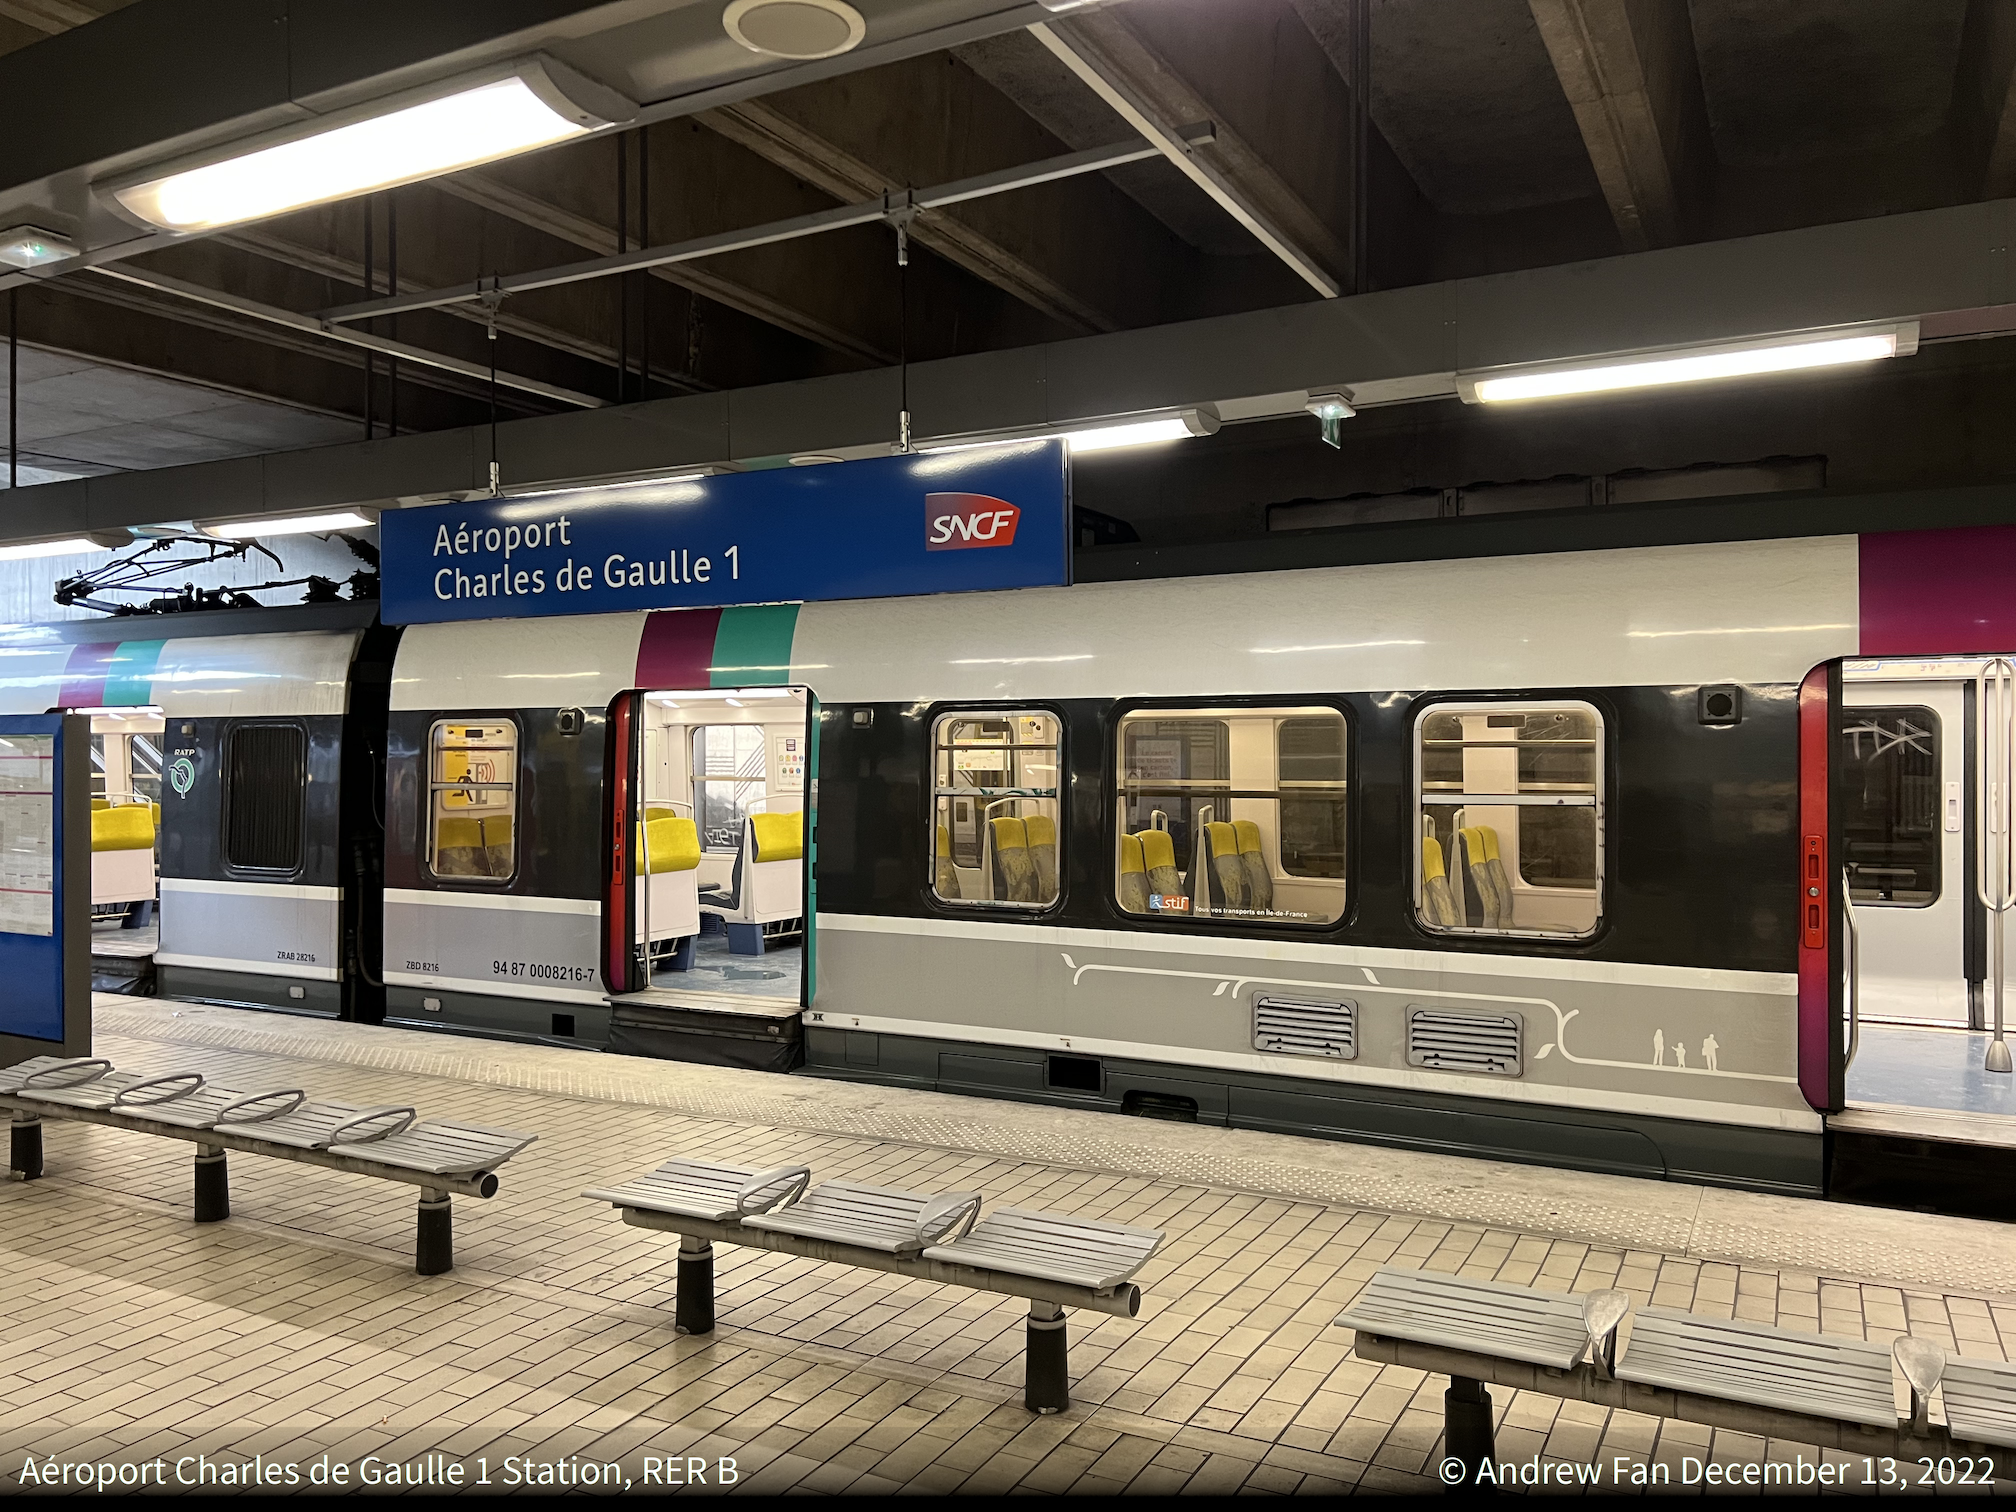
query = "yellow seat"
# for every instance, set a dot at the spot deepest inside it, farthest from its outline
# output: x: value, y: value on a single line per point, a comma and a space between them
x: 779, y: 837
x: 1438, y: 907
x: 1227, y: 881
x: 1133, y: 875
x: 1253, y: 862
x: 945, y: 876
x: 1014, y: 872
x: 1041, y: 830
x: 128, y: 827
x: 100, y: 803
x: 1165, y: 882
x: 669, y: 843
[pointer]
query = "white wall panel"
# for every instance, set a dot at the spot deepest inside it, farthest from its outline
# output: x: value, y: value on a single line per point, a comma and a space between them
x: 300, y: 672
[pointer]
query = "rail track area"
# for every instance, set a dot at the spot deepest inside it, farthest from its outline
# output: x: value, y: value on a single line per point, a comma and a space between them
x: 298, y: 1334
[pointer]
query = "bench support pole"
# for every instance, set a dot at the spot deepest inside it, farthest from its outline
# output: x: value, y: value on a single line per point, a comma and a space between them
x: 1466, y: 1426
x: 693, y: 1302
x: 1047, y: 1376
x: 434, y: 1241
x: 24, y: 1150
x: 213, y: 1185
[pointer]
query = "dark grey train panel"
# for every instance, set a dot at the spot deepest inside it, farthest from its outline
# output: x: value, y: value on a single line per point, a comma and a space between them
x: 580, y: 1026
x: 245, y: 989
x: 1624, y: 1144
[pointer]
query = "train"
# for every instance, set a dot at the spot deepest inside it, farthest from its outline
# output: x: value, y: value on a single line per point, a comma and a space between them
x: 1552, y: 858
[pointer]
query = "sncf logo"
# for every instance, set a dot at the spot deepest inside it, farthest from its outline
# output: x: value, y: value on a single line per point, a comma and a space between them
x: 963, y: 521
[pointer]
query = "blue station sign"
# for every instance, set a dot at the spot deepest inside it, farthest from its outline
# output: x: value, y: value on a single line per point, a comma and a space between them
x: 994, y: 517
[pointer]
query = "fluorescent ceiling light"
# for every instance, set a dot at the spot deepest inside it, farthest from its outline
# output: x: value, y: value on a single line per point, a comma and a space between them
x: 1692, y: 365
x: 31, y: 247
x: 315, y: 524
x: 376, y: 147
x: 619, y: 489
x: 119, y: 711
x: 1103, y: 436
x: 69, y: 546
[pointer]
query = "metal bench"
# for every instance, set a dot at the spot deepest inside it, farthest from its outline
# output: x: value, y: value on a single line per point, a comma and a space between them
x: 442, y: 1158
x: 1807, y: 1388
x: 1053, y: 1260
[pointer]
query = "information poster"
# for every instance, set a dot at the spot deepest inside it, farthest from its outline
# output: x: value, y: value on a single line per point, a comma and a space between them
x: 27, y: 834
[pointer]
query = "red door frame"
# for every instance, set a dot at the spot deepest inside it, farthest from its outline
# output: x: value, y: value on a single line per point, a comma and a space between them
x: 1820, y: 900
x: 617, y: 889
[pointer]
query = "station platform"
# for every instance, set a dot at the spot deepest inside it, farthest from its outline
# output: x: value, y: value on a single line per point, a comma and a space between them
x: 298, y: 1328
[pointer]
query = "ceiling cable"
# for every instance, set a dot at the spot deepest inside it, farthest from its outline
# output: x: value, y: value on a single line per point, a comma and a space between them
x: 900, y: 217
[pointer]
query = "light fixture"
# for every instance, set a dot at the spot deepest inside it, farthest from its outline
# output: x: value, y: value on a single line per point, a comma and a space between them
x: 1107, y: 435
x: 22, y: 551
x: 621, y: 490
x: 1693, y: 364
x: 1333, y: 409
x: 802, y: 29
x: 812, y: 459
x: 119, y: 711
x: 458, y: 124
x: 31, y: 247
x: 283, y: 525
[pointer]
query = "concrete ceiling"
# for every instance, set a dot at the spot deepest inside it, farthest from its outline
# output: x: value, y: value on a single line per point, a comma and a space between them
x: 1503, y: 135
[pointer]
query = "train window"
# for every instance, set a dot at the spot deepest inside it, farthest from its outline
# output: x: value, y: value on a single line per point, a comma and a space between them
x: 266, y: 781
x: 1235, y: 813
x: 728, y: 777
x: 473, y: 799
x: 1510, y: 836
x: 995, y: 819
x: 1890, y: 806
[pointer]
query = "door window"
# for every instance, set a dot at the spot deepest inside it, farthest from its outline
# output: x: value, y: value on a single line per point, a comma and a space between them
x: 1890, y: 831
x: 473, y: 799
x: 728, y: 779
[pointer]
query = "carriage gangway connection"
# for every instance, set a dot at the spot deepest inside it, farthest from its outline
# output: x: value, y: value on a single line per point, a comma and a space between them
x: 303, y: 1331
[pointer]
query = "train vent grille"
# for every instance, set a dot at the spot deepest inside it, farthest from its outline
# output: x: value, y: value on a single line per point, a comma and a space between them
x: 1302, y: 1026
x: 1483, y: 1042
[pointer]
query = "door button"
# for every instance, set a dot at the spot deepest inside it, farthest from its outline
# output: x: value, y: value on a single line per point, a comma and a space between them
x: 1952, y: 808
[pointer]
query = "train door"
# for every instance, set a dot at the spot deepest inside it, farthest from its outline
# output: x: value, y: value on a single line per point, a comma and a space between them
x: 1913, y: 810
x: 126, y: 745
x: 1904, y: 805
x: 709, y: 896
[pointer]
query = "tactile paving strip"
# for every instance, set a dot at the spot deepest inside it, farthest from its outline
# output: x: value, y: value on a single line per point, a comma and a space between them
x: 1668, y: 1217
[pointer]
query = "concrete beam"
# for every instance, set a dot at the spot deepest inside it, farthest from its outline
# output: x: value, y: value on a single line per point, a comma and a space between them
x: 1984, y: 98
x: 1388, y: 346
x: 1629, y: 70
x: 1146, y: 66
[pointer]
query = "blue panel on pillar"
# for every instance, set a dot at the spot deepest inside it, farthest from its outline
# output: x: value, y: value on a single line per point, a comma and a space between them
x: 31, y: 877
x: 979, y: 518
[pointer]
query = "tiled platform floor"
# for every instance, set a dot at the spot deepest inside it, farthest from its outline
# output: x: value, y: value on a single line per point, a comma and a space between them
x: 298, y: 1329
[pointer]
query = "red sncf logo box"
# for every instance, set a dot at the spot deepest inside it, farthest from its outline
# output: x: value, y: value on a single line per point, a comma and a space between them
x: 964, y: 521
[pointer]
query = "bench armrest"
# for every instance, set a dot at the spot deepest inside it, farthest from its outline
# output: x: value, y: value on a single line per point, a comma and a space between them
x: 1603, y: 1312
x: 176, y: 1084
x: 1921, y: 1362
x: 948, y: 1218
x: 70, y: 1073
x: 397, y: 1121
x: 767, y: 1191
x: 253, y: 1113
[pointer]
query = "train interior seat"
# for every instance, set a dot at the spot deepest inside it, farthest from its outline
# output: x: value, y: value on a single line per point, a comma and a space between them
x: 946, y: 872
x: 1158, y: 859
x: 1009, y: 868
x: 1041, y: 831
x: 1133, y: 875
x: 1253, y: 862
x: 723, y: 780
x: 1438, y: 903
x: 670, y: 846
x: 122, y: 854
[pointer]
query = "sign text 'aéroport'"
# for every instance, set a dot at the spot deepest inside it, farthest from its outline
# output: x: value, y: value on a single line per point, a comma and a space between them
x: 987, y: 518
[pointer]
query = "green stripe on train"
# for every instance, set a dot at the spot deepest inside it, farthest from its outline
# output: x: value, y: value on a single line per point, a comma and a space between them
x: 752, y: 646
x: 129, y: 680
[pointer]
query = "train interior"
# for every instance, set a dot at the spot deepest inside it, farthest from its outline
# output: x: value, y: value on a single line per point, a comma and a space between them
x: 719, y: 819
x: 1233, y: 812
x: 1914, y: 745
x: 126, y: 765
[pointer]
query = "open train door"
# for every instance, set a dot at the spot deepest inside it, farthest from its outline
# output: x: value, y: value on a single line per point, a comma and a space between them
x: 707, y: 903
x: 1906, y: 779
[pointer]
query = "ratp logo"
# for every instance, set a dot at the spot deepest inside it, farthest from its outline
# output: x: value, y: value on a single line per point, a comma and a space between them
x: 964, y: 521
x: 182, y: 775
